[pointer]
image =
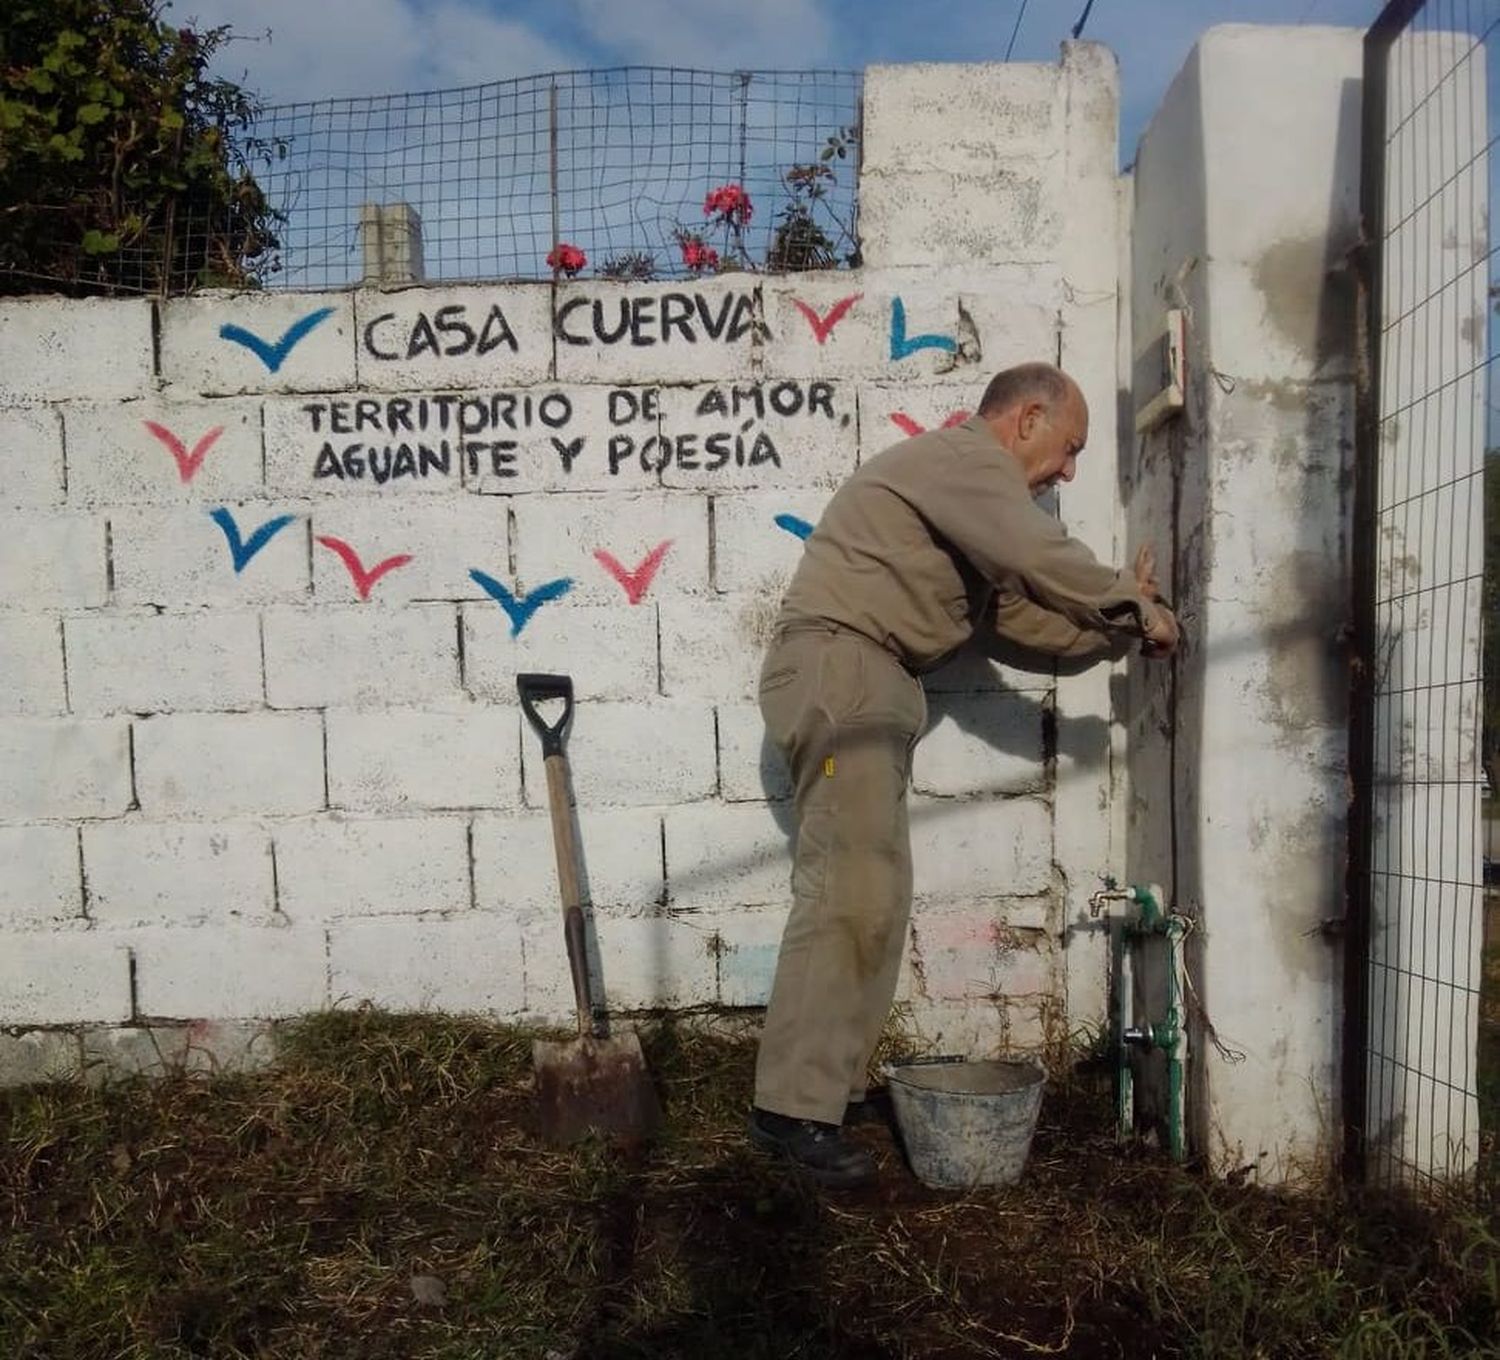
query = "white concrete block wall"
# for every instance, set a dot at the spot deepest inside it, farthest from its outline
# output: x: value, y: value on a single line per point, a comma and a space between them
x: 265, y: 588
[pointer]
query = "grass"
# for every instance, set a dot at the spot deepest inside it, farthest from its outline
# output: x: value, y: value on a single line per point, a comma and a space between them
x: 382, y: 1194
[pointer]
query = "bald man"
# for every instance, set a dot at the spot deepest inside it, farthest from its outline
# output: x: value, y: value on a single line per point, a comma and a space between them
x: 925, y: 543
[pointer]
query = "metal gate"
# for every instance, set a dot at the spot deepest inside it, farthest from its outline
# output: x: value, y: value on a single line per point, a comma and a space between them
x: 1412, y: 1088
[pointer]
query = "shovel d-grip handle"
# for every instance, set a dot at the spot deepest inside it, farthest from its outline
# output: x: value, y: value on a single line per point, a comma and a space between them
x: 535, y: 689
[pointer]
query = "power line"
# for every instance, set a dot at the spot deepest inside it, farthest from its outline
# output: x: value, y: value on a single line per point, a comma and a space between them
x: 1020, y: 14
x: 1082, y: 20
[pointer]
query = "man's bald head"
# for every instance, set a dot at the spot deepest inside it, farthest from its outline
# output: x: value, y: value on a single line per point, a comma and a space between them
x: 1037, y: 412
x: 1026, y: 382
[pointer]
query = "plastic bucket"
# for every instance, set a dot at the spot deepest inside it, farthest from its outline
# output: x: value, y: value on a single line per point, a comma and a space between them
x: 966, y: 1123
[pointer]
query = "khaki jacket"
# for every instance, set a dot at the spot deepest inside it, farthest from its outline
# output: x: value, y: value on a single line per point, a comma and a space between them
x: 940, y: 533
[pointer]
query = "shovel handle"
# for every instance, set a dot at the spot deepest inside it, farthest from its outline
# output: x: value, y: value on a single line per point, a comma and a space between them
x: 565, y: 841
x: 534, y: 689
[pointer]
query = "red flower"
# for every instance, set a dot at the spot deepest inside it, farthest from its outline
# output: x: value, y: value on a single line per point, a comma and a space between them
x: 567, y: 258
x: 697, y: 256
x: 730, y: 204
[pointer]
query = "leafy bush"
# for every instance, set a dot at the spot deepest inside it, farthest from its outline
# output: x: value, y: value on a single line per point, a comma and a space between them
x: 122, y: 161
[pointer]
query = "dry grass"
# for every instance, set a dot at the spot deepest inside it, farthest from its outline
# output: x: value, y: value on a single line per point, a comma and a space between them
x: 382, y: 1195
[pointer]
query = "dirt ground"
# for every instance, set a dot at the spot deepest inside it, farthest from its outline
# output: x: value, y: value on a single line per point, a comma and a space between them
x: 383, y: 1194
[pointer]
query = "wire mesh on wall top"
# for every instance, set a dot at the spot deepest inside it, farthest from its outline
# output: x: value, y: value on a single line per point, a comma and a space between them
x: 615, y: 162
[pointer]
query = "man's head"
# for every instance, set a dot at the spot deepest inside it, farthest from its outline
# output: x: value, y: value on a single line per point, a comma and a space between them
x: 1039, y: 414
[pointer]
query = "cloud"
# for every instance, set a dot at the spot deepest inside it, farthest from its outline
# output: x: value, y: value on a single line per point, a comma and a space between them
x: 320, y: 49
x: 717, y: 34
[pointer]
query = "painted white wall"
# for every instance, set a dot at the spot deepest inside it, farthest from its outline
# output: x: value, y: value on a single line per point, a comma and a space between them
x: 1245, y: 209
x: 230, y: 795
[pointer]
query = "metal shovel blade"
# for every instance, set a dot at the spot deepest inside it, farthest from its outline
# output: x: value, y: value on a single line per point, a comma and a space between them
x: 593, y: 1085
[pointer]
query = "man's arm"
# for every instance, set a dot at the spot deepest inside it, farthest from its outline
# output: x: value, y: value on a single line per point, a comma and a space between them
x: 986, y: 512
x: 1023, y: 621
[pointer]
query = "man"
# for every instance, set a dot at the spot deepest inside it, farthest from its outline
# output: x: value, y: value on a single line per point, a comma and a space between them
x: 915, y: 549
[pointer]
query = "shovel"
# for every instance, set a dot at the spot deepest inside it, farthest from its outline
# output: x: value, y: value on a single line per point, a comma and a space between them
x: 597, y: 1082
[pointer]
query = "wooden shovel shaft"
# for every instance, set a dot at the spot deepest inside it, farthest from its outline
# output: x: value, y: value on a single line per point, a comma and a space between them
x: 565, y: 841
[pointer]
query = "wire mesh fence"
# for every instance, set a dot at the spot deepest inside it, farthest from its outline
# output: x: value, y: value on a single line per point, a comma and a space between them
x: 616, y: 163
x: 1427, y: 1107
x: 484, y: 182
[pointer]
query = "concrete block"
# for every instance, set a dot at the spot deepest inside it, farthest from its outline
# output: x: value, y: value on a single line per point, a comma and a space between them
x: 39, y: 1055
x: 361, y: 656
x: 645, y: 963
x: 41, y: 882
x: 1038, y: 912
x: 977, y: 668
x: 51, y: 558
x: 341, y: 444
x: 55, y: 348
x: 722, y: 857
x: 748, y: 945
x: 399, y: 760
x: 789, y: 433
x: 507, y: 442
x: 515, y: 864
x: 470, y: 964
x: 753, y: 553
x: 182, y: 557
x: 714, y: 649
x: 670, y: 332
x: 31, y: 456
x: 177, y: 873
x: 751, y: 769
x: 75, y: 977
x: 154, y: 663
x: 31, y: 660
x: 557, y: 537
x: 570, y: 438
x: 454, y: 338
x: 955, y: 118
x: 821, y: 325
x: 981, y: 744
x: 634, y: 754
x: 980, y: 848
x: 891, y: 414
x: 330, y: 867
x: 610, y: 652
x: 573, y: 440
x: 64, y: 768
x: 650, y: 962
x: 223, y: 344
x: 220, y: 1047
x: 158, y: 452
x: 1000, y: 214
x: 442, y: 540
x: 229, y: 972
x: 229, y: 764
x: 972, y: 956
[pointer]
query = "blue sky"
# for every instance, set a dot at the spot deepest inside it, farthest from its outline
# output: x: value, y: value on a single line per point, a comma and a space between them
x: 328, y: 48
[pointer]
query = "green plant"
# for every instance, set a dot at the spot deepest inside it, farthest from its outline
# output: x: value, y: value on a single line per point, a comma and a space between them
x: 123, y: 163
x: 635, y: 266
x: 802, y: 240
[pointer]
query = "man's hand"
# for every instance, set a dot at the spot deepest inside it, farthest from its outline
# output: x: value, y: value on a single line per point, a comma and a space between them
x: 1161, y: 631
x: 1145, y: 572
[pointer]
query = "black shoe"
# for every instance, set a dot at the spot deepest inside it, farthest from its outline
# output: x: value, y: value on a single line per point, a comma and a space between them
x: 820, y: 1151
x: 875, y: 1108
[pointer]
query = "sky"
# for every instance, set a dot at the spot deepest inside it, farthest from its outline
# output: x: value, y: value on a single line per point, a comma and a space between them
x: 293, y: 50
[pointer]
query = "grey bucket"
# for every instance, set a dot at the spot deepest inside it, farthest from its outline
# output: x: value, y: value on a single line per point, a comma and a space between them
x: 966, y: 1123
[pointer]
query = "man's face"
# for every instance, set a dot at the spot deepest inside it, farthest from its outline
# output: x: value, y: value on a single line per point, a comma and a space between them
x: 1049, y: 440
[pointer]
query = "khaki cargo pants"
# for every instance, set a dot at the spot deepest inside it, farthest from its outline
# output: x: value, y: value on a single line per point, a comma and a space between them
x: 846, y: 715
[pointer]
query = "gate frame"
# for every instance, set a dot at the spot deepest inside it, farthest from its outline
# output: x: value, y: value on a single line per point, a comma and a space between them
x: 1393, y: 20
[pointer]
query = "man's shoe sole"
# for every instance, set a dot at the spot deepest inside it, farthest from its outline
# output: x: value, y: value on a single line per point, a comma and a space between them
x: 832, y: 1180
